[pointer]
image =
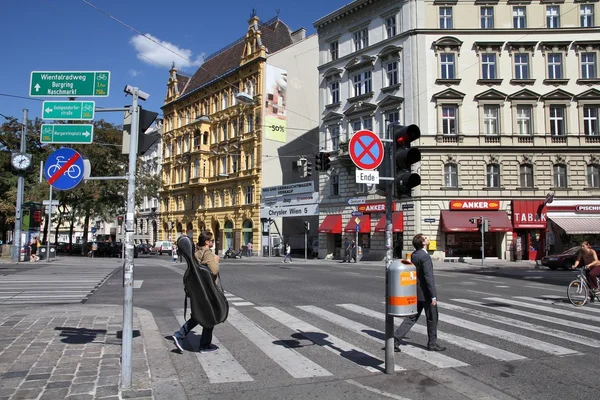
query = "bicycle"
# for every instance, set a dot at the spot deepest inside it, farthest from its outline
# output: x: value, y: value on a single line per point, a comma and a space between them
x: 73, y: 171
x: 579, y: 291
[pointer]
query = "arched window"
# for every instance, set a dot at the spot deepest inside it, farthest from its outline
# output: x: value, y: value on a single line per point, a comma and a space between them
x: 526, y: 175
x: 560, y: 175
x: 205, y: 138
x: 593, y: 175
x: 451, y: 175
x: 228, y: 234
x: 247, y: 232
x: 493, y: 175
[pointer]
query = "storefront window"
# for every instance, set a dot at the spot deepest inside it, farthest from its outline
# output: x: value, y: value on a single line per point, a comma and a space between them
x: 468, y: 244
x: 364, y: 240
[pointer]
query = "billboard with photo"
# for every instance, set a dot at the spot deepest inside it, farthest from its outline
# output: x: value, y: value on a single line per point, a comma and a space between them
x: 275, y: 104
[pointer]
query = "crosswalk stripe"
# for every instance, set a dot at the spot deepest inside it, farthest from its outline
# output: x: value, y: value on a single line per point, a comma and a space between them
x: 481, y: 348
x: 522, y: 313
x: 523, y: 325
x: 439, y: 360
x: 509, y: 336
x: 329, y: 342
x: 538, y: 307
x: 293, y: 362
x: 221, y: 366
x: 243, y: 303
x: 569, y: 305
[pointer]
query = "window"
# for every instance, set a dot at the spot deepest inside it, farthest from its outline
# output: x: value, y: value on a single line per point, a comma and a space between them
x: 590, y: 120
x: 557, y: 120
x: 335, y: 185
x: 451, y: 175
x: 524, y: 126
x: 392, y: 73
x: 490, y: 119
x: 196, y: 168
x: 249, y: 194
x: 560, y: 175
x: 449, y: 120
x: 521, y: 66
x: 526, y: 175
x: 390, y: 26
x: 361, y: 39
x: 593, y: 176
x: 333, y: 51
x: 487, y: 17
x: 250, y: 123
x: 392, y: 116
x: 488, y: 66
x: 555, y: 66
x: 215, y: 135
x: 588, y: 66
x: 334, y: 136
x: 519, y: 17
x: 447, y: 64
x: 553, y: 17
x: 586, y: 15
x: 225, y: 100
x: 233, y: 197
x: 362, y: 83
x: 235, y: 163
x: 222, y: 198
x: 493, y: 176
x: 334, y: 89
x: 445, y: 17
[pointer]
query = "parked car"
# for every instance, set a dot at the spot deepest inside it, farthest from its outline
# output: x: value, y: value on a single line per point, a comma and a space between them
x: 566, y: 259
x: 144, y: 248
x: 163, y: 246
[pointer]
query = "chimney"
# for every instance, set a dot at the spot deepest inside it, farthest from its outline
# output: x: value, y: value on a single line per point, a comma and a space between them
x: 298, y: 35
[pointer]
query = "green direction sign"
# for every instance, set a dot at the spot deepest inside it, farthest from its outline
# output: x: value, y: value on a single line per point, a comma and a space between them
x: 69, y: 84
x: 68, y: 110
x: 67, y: 133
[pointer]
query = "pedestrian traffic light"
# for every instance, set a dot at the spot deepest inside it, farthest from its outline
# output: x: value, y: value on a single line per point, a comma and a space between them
x: 404, y: 156
x: 36, y: 219
x: 119, y: 220
x: 145, y: 141
x: 326, y: 161
x: 306, y: 225
x: 479, y: 222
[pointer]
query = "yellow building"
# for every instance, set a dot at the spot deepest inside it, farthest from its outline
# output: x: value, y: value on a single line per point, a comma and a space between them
x: 213, y: 141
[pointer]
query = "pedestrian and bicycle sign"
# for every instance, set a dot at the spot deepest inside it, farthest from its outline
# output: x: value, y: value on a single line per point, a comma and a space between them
x: 67, y: 133
x: 64, y: 169
x: 68, y: 110
x: 366, y: 150
x: 69, y: 84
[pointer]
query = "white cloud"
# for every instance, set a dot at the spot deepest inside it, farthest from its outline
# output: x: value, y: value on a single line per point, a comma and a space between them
x: 154, y: 51
x: 134, y: 72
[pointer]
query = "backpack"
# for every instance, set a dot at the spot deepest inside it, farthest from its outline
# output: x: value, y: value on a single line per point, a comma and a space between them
x: 208, y: 303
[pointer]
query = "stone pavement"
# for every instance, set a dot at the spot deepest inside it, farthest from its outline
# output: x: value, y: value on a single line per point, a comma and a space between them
x: 73, y: 352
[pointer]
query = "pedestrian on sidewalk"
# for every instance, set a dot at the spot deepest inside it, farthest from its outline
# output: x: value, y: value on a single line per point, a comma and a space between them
x: 347, y: 251
x: 33, y: 246
x: 249, y: 249
x: 205, y: 256
x: 426, y: 296
x: 174, y: 254
x: 288, y: 253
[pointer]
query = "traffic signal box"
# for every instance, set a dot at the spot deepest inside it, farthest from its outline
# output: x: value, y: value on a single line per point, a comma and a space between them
x: 322, y: 161
x: 404, y: 156
x: 481, y: 224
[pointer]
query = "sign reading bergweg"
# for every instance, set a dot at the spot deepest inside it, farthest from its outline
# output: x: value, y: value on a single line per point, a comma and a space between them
x: 284, y: 190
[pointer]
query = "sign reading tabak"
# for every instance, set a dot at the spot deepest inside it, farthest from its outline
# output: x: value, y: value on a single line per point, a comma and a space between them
x: 475, y: 205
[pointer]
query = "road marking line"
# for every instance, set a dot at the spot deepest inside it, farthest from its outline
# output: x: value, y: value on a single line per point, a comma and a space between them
x: 502, y: 286
x: 293, y: 362
x: 545, y: 288
x: 243, y: 303
x: 379, y: 392
x: 137, y: 284
x: 567, y: 305
x: 537, y: 307
x: 327, y: 341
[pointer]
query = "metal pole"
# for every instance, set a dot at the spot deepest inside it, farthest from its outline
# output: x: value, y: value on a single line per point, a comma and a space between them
x: 127, y: 341
x: 305, y: 245
x: 356, y: 243
x: 49, y: 226
x: 389, y: 254
x: 20, y: 189
x: 482, y: 238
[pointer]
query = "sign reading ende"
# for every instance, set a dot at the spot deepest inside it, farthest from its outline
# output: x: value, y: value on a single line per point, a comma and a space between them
x: 474, y: 205
x: 69, y: 84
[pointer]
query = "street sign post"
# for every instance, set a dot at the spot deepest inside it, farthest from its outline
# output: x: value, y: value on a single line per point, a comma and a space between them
x: 69, y: 84
x: 68, y: 110
x: 356, y: 201
x: 366, y: 150
x: 67, y: 133
x: 64, y: 169
x: 368, y: 177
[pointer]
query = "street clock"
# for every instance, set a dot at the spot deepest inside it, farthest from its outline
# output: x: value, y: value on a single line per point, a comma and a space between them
x: 20, y: 161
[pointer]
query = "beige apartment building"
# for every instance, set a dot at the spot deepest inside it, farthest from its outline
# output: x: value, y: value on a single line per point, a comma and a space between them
x: 506, y: 96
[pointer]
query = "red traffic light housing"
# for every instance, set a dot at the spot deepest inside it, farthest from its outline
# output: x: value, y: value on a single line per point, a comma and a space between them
x: 120, y: 220
x: 404, y: 156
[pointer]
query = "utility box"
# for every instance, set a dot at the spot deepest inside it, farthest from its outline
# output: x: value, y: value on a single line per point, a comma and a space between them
x: 402, y: 290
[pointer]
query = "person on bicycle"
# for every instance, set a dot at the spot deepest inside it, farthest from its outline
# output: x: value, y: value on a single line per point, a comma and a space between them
x: 591, y: 264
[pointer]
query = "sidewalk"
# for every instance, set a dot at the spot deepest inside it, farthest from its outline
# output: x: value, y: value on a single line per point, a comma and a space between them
x: 73, y: 352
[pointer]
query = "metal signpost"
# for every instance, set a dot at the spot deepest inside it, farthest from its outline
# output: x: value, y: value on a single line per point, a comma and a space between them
x: 69, y: 84
x: 357, y: 220
x: 67, y: 133
x: 68, y: 110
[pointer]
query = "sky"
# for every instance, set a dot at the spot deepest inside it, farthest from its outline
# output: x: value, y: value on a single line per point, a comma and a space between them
x: 84, y: 35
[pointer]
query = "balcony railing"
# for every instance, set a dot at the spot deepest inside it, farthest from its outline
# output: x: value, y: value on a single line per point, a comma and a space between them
x: 503, y: 140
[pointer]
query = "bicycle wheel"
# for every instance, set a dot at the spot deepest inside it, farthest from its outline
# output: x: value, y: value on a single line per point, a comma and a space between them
x: 74, y: 171
x: 577, y: 292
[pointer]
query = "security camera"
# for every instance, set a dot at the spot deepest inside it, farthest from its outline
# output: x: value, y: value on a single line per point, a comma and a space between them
x: 141, y: 94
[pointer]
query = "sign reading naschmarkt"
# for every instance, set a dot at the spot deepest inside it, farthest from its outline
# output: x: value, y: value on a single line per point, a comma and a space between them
x: 69, y: 84
x: 283, y: 190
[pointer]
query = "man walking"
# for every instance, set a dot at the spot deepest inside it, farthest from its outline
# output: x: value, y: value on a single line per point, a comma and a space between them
x: 426, y: 296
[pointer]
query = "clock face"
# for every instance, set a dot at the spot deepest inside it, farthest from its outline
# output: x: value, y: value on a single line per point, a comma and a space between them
x: 21, y: 161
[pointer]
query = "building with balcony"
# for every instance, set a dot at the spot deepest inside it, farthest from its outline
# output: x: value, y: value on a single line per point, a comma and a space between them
x: 224, y: 130
x: 506, y: 97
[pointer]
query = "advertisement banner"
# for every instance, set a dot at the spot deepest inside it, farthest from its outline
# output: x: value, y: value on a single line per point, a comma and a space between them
x: 275, y: 104
x: 287, y: 190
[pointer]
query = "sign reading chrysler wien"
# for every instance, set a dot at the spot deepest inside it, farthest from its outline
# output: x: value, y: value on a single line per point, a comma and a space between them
x: 475, y: 205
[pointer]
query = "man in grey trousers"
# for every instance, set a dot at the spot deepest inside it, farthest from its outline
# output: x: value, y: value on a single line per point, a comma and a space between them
x: 426, y: 296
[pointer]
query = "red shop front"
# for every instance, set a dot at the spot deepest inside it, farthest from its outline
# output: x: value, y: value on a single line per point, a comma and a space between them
x: 529, y: 225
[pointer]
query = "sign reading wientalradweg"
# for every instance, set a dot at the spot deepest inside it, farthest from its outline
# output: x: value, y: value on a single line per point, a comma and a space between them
x: 67, y: 133
x: 68, y: 110
x: 69, y: 84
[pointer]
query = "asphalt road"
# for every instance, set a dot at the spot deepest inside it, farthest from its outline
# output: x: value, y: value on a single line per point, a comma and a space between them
x: 508, y: 331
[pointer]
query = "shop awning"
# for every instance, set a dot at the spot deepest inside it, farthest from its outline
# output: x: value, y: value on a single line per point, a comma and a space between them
x: 458, y: 221
x: 578, y: 225
x: 331, y: 224
x: 365, y: 224
x: 397, y: 223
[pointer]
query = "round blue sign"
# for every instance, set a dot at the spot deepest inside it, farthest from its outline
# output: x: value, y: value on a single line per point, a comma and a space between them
x: 64, y: 169
x: 93, y: 229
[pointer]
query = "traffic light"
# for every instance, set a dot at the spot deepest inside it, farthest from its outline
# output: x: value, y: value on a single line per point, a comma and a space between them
x: 326, y: 161
x: 119, y: 220
x: 305, y: 168
x: 306, y: 226
x: 481, y: 223
x: 308, y: 169
x: 404, y: 156
x: 36, y: 219
x: 318, y: 162
x: 486, y: 225
x: 145, y: 141
x: 322, y: 161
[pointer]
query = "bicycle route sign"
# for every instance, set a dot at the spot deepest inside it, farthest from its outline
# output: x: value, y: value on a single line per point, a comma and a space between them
x: 69, y: 84
x: 67, y: 133
x: 64, y: 169
x: 366, y: 150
